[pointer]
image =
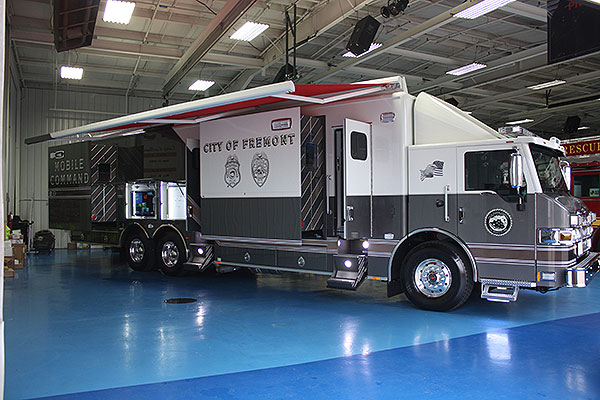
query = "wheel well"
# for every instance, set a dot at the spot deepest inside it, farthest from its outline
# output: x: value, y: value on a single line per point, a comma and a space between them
x: 135, y: 228
x: 166, y: 229
x: 419, y: 237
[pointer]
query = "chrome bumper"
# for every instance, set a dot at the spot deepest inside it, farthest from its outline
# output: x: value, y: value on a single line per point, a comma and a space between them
x: 581, y: 274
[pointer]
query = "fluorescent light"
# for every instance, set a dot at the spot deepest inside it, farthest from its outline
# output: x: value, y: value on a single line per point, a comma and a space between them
x: 521, y: 121
x: 466, y: 69
x: 583, y: 128
x: 249, y: 31
x: 118, y: 11
x: 371, y: 48
x: 201, y: 85
x: 546, y: 85
x: 137, y: 132
x: 481, y: 8
x: 71, y: 72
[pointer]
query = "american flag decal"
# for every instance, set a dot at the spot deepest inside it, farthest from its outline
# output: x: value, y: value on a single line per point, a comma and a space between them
x: 436, y: 168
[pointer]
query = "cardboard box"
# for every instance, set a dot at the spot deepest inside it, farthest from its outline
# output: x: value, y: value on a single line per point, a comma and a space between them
x: 9, y: 272
x: 71, y: 246
x: 19, y: 252
x: 9, y: 262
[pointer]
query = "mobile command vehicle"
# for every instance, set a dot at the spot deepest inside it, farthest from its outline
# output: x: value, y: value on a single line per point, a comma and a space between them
x: 355, y: 182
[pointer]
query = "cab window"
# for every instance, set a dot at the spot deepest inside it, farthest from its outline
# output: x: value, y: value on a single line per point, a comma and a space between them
x: 489, y: 170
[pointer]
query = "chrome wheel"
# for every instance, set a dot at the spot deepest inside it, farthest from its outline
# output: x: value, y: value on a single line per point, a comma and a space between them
x: 433, y: 278
x: 169, y: 253
x: 136, y: 250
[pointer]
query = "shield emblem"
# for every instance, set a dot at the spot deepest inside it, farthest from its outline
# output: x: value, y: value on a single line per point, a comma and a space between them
x: 260, y: 168
x: 232, y: 171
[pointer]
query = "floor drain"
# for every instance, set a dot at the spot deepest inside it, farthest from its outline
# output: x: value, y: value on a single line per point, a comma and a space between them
x: 180, y: 300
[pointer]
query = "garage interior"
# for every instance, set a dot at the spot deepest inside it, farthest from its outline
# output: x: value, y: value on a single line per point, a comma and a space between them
x: 79, y: 323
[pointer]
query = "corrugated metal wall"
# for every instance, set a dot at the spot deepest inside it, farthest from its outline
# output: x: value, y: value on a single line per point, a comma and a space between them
x: 44, y: 111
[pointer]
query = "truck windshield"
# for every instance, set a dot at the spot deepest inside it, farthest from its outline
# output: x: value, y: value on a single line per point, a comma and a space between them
x: 548, y: 169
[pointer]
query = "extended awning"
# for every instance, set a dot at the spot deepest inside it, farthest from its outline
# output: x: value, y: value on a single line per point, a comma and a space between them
x: 196, y: 111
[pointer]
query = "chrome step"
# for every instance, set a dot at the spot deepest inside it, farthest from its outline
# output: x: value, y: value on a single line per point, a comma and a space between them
x: 503, y: 294
x: 349, y: 272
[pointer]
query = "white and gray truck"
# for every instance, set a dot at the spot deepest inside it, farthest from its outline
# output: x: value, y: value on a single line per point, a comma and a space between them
x: 357, y: 182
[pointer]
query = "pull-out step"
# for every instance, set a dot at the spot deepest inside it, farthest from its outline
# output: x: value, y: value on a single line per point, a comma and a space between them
x: 503, y: 294
x: 350, y: 270
x: 201, y: 257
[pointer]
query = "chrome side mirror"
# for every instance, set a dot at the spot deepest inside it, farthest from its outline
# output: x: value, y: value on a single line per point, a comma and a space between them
x: 516, y: 171
x: 565, y: 167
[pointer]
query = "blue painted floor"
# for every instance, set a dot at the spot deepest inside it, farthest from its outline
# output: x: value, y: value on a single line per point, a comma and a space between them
x: 81, y: 325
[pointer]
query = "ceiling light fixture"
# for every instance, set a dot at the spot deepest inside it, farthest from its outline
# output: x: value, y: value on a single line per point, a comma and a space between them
x: 521, y: 121
x: 481, y: 8
x: 466, y: 69
x: 371, y: 48
x: 583, y: 128
x: 71, y: 72
x: 201, y: 85
x: 119, y: 12
x: 249, y: 31
x: 546, y: 85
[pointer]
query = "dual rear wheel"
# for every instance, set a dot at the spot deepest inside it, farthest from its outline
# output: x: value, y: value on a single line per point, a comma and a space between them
x: 167, y: 253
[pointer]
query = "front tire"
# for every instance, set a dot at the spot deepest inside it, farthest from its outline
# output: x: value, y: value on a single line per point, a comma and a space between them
x: 436, y: 277
x: 138, y: 252
x: 171, y: 254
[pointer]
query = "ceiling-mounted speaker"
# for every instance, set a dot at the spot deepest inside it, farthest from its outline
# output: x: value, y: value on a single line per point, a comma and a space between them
x: 452, y: 101
x: 572, y: 124
x: 282, y: 76
x: 363, y: 35
x: 394, y: 10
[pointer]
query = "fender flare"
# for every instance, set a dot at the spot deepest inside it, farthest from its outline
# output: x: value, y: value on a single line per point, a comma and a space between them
x: 451, y: 236
x: 172, y: 227
x: 130, y: 227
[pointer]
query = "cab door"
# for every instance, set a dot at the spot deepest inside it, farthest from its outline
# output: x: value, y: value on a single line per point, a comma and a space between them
x: 357, y: 179
x: 500, y: 236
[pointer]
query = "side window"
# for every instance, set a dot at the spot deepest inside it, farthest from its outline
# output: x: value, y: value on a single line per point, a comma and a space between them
x: 358, y: 146
x: 586, y: 186
x: 489, y: 170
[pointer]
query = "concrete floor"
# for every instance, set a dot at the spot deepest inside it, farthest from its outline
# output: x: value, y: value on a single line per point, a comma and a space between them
x: 80, y: 324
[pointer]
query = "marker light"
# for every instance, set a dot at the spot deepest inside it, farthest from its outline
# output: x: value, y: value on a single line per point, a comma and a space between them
x: 348, y: 264
x: 200, y: 250
x: 365, y: 244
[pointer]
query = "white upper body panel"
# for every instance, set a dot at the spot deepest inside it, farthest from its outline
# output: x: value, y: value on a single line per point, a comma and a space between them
x: 436, y: 121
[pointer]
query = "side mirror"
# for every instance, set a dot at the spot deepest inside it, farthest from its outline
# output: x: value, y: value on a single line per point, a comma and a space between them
x: 516, y: 171
x: 565, y: 167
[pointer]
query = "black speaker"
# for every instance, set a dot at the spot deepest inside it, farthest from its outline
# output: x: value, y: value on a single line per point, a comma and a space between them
x: 281, y: 76
x: 572, y: 124
x: 452, y: 101
x: 363, y: 35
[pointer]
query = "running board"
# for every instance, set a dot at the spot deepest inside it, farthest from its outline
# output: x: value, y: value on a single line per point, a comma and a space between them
x: 503, y: 294
x: 350, y: 271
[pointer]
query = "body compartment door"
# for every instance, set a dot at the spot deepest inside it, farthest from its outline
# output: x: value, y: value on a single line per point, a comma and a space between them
x: 357, y: 179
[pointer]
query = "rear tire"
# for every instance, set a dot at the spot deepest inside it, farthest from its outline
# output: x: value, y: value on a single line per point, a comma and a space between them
x: 138, y: 252
x: 436, y: 277
x: 171, y: 254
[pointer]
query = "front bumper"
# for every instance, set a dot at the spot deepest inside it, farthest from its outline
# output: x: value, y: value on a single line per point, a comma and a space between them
x: 582, y: 273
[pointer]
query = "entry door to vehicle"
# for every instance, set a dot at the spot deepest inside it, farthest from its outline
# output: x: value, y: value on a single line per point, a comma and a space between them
x: 501, y: 237
x: 357, y: 179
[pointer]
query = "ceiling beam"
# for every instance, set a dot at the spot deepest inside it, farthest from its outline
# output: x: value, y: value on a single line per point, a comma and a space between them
x: 427, y: 26
x: 231, y: 12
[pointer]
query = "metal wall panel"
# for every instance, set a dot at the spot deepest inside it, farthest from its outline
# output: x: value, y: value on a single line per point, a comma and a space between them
x: 44, y: 111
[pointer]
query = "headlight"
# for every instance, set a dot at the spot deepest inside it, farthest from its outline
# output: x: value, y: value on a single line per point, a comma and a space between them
x: 559, y: 236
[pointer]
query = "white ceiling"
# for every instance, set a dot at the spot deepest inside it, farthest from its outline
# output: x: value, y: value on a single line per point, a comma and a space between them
x: 422, y: 43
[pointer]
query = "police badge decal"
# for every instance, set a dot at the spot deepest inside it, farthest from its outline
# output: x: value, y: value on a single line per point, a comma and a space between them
x: 232, y: 171
x: 260, y: 168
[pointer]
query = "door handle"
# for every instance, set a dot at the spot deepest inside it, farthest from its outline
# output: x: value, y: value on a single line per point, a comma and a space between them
x: 461, y: 215
x: 446, y: 214
x: 350, y: 212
